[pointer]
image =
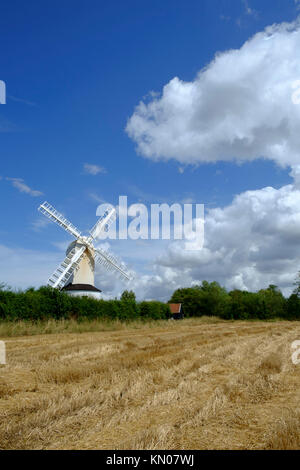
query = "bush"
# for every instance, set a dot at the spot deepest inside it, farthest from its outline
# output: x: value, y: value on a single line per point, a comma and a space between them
x: 154, y: 310
x: 46, y: 303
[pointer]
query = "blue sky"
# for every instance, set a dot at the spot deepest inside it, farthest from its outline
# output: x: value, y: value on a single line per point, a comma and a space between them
x: 74, y: 72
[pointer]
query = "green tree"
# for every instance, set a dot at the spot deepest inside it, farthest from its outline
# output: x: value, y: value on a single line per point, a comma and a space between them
x: 207, y: 299
x: 128, y: 296
x: 273, y: 301
x: 293, y: 307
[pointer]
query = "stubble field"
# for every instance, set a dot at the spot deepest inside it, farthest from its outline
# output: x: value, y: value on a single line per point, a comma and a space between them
x: 192, y: 384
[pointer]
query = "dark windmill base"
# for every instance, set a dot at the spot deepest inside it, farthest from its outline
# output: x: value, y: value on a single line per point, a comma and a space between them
x: 82, y: 290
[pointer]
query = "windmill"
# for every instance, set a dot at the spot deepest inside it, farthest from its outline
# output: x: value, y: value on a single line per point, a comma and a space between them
x: 81, y: 254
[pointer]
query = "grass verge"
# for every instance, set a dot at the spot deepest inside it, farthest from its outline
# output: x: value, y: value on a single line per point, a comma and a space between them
x: 30, y: 328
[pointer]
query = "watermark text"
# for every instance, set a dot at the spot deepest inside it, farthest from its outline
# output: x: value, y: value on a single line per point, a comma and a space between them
x: 2, y: 92
x: 296, y: 354
x: 156, y: 222
x: 2, y: 353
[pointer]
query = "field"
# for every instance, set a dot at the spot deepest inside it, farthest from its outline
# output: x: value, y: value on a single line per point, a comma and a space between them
x: 194, y: 384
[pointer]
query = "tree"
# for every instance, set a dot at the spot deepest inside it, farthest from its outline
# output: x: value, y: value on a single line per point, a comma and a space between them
x: 207, y: 299
x: 293, y: 307
x: 128, y: 296
x: 273, y: 300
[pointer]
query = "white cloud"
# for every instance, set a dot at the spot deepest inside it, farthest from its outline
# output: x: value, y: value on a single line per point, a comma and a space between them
x: 248, y: 10
x: 249, y: 244
x: 21, y: 100
x: 40, y: 223
x: 23, y: 187
x: 95, y: 197
x: 93, y: 169
x: 239, y: 107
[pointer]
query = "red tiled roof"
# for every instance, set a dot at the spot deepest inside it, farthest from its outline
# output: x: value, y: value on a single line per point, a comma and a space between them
x: 175, y: 308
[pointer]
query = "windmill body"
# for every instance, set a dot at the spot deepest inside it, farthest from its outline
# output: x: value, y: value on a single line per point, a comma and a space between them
x: 85, y: 274
x: 76, y: 273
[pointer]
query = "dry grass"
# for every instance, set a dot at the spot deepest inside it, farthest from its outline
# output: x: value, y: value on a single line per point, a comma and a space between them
x: 196, y: 384
x: 30, y: 328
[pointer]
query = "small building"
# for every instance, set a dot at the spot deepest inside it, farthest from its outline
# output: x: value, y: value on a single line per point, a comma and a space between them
x: 81, y: 290
x: 176, y: 311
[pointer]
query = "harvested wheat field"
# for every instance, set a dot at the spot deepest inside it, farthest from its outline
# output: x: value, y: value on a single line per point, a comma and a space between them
x: 194, y: 384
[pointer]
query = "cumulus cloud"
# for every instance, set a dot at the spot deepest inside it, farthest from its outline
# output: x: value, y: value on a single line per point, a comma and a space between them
x: 239, y: 107
x: 248, y: 245
x: 23, y: 187
x: 93, y: 169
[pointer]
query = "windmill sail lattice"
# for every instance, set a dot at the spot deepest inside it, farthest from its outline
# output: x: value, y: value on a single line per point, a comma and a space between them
x: 55, y: 216
x: 81, y: 255
x: 65, y: 270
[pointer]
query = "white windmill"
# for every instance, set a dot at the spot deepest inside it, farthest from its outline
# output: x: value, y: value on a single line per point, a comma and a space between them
x: 81, y: 255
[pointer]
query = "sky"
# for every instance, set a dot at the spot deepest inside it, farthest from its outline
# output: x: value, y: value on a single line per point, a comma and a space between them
x: 162, y: 101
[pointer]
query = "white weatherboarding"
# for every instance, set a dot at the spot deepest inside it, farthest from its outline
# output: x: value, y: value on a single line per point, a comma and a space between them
x: 81, y: 254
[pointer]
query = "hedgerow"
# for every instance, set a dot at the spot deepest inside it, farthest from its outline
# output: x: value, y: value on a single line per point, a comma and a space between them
x: 207, y: 299
x: 46, y: 303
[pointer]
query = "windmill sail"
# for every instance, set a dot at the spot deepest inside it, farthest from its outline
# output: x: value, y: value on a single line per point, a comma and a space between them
x: 111, y: 263
x: 103, y: 223
x: 55, y: 216
x: 65, y: 270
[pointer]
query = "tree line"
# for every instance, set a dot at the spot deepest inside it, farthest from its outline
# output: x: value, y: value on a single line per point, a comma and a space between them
x: 211, y: 299
x: 206, y: 299
x: 46, y: 303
